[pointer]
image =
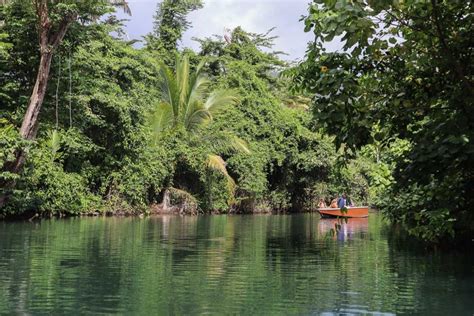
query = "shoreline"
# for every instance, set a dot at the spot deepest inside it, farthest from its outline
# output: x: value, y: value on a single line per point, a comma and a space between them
x: 35, y: 216
x: 152, y: 210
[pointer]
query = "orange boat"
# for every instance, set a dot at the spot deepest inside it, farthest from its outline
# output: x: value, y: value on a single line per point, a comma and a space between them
x: 353, y: 212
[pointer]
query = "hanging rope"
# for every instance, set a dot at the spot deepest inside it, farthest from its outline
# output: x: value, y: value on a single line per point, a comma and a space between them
x: 57, y: 93
x: 70, y: 90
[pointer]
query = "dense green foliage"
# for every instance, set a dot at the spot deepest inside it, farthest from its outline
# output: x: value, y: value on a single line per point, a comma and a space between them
x: 404, y: 85
x: 122, y: 129
x: 169, y: 25
x: 126, y: 129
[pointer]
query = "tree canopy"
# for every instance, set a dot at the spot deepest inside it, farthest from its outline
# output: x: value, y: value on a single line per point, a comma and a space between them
x: 170, y: 23
x: 126, y: 129
x: 231, y: 127
x: 404, y: 80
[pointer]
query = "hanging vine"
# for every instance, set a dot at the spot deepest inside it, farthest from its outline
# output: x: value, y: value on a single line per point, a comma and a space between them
x: 57, y: 93
x: 70, y: 89
x: 54, y: 137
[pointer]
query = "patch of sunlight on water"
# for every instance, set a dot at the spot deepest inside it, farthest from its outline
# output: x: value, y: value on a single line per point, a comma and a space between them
x: 265, y: 264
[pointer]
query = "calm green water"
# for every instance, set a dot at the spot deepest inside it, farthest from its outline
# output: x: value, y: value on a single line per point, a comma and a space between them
x: 272, y: 264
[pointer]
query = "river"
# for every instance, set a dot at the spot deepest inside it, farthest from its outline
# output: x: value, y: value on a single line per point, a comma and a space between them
x: 252, y: 265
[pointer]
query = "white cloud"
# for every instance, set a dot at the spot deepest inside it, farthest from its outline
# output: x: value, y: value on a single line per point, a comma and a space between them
x: 253, y: 15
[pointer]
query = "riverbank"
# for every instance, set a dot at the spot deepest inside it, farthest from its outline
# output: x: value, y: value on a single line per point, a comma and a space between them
x: 155, y: 209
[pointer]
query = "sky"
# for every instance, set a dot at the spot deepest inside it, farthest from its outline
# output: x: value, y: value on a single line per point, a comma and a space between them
x: 256, y: 16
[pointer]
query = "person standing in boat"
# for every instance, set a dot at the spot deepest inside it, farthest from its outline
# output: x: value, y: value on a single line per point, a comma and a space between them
x: 342, y: 202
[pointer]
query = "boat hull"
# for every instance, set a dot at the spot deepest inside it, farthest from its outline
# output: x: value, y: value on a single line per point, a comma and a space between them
x: 352, y: 212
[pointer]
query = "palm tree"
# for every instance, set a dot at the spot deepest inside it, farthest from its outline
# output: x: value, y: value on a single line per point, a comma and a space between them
x: 185, y: 99
x: 187, y: 104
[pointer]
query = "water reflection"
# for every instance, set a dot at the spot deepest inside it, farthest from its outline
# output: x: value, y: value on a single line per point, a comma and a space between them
x: 223, y: 265
x: 348, y: 229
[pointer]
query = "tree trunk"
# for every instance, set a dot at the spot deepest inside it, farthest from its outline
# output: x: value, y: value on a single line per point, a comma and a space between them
x: 48, y: 42
x: 166, y: 204
x: 29, y: 127
x: 30, y: 121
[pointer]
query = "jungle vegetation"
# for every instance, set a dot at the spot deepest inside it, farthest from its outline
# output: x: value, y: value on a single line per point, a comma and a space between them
x: 403, y: 82
x: 117, y: 127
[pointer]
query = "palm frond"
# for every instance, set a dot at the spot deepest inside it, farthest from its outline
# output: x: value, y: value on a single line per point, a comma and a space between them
x: 225, y: 142
x: 200, y: 66
x: 220, y: 99
x: 216, y: 163
x: 198, y: 117
x: 186, y: 92
x: 199, y: 86
x: 169, y: 89
x: 239, y: 145
x: 160, y: 119
x: 182, y: 78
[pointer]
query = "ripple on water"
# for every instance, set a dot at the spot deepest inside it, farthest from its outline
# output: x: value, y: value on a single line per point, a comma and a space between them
x: 222, y: 265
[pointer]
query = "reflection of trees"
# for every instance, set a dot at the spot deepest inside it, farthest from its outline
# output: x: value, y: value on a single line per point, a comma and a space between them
x: 218, y: 264
x: 423, y: 273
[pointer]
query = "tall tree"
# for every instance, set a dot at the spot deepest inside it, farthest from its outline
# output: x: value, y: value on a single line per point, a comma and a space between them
x: 187, y: 104
x: 169, y: 26
x: 53, y: 20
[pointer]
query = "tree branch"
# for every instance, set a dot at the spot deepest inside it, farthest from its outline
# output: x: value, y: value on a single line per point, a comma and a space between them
x: 445, y: 48
x: 57, y: 38
x: 44, y: 23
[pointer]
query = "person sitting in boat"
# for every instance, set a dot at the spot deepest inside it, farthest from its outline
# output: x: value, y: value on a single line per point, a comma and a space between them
x: 333, y: 203
x: 342, y: 201
x: 321, y: 203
